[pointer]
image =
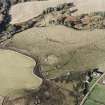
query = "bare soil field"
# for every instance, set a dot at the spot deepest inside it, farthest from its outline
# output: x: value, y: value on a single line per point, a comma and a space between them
x: 25, y: 11
x: 89, y: 6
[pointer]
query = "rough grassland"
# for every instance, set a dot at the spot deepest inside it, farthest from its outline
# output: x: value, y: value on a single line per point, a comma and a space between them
x: 73, y: 50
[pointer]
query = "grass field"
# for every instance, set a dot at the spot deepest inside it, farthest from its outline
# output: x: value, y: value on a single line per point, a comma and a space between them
x: 16, y: 73
x: 90, y: 102
x: 97, y: 97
